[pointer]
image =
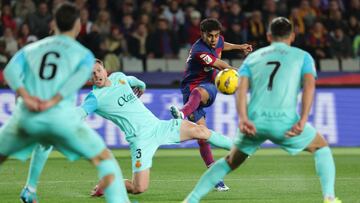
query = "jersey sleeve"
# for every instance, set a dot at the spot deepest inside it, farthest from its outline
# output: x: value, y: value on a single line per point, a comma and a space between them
x: 14, y: 70
x: 134, y: 82
x: 205, y: 58
x: 244, y: 70
x: 79, y: 77
x: 308, y: 66
x: 90, y: 103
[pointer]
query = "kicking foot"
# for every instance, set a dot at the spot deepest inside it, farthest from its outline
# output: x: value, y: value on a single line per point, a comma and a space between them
x: 336, y: 200
x: 176, y: 113
x: 28, y: 196
x: 97, y: 191
x: 221, y: 187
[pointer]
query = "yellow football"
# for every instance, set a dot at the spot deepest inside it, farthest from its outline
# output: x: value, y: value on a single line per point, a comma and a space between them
x: 227, y: 81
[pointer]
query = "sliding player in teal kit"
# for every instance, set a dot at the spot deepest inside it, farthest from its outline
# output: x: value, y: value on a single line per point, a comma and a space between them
x: 274, y: 75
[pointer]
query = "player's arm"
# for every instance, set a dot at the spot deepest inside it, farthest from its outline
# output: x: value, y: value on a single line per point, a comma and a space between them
x: 137, y: 85
x: 309, y: 75
x: 89, y: 105
x: 307, y: 97
x: 75, y: 82
x: 245, y: 125
x: 207, y: 59
x: 13, y: 75
x: 221, y: 65
x: 246, y: 48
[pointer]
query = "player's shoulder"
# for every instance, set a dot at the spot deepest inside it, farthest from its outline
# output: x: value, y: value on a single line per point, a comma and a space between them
x: 116, y: 75
x: 199, y: 47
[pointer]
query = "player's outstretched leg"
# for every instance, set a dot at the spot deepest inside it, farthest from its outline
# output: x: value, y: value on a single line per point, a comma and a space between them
x: 38, y: 160
x: 110, y: 173
x: 189, y: 107
x: 215, y: 173
x: 325, y: 168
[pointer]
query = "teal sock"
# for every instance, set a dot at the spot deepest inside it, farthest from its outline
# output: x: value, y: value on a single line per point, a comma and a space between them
x: 325, y: 168
x: 115, y: 192
x: 220, y: 140
x: 37, y: 163
x: 208, y: 180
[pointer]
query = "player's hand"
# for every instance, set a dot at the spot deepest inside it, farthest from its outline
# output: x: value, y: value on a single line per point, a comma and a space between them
x: 296, y: 129
x: 45, y: 105
x: 138, y: 91
x: 247, y: 127
x: 32, y: 103
x: 246, y: 48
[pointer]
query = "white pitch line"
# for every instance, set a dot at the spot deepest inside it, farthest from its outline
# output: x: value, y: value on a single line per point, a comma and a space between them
x: 188, y: 180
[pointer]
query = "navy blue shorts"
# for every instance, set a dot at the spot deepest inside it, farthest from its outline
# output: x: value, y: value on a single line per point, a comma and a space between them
x: 200, y: 112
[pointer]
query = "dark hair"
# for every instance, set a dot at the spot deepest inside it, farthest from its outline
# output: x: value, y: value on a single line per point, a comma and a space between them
x: 99, y: 62
x: 210, y: 24
x: 280, y: 27
x: 66, y: 15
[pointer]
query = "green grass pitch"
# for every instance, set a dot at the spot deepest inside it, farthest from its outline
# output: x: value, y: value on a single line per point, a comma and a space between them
x: 269, y: 176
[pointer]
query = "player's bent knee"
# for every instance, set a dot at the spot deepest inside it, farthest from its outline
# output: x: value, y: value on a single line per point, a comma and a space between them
x: 318, y: 143
x: 201, y: 132
x: 105, y: 154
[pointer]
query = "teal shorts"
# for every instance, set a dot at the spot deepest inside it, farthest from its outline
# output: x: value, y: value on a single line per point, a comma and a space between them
x: 143, y: 147
x: 60, y: 127
x: 275, y: 132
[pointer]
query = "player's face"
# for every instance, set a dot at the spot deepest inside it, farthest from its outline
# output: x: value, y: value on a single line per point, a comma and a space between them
x: 211, y: 38
x: 99, y: 75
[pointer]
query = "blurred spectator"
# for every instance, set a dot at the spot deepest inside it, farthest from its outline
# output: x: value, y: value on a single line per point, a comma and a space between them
x: 103, y: 22
x: 193, y: 30
x: 85, y: 23
x: 163, y: 43
x: 4, y: 57
x: 10, y: 40
x: 24, y: 36
x: 236, y: 14
x: 269, y: 9
x: 318, y: 42
x: 127, y: 25
x: 145, y: 19
x: 93, y: 41
x: 307, y: 13
x: 256, y: 29
x: 340, y: 44
x: 22, y: 9
x: 297, y: 20
x: 353, y: 27
x: 138, y: 41
x: 317, y: 7
x: 354, y: 9
x: 39, y: 21
x: 335, y: 20
x: 234, y: 34
x: 80, y: 4
x: 115, y: 43
x: 356, y: 46
x: 7, y: 18
x: 209, y: 6
x: 299, y: 38
x: 174, y: 15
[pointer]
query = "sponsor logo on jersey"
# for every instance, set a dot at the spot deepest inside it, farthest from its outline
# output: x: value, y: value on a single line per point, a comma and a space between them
x: 122, y: 82
x: 122, y: 100
x: 138, y: 164
x: 206, y: 58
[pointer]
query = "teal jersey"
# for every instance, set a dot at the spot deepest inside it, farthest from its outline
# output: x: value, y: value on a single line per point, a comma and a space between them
x: 119, y: 104
x: 275, y: 73
x: 56, y: 64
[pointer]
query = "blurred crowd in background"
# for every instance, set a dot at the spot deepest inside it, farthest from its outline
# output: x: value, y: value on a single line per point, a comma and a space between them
x: 144, y: 29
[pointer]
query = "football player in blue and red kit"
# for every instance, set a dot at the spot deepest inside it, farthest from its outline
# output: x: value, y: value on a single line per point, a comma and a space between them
x: 197, y: 86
